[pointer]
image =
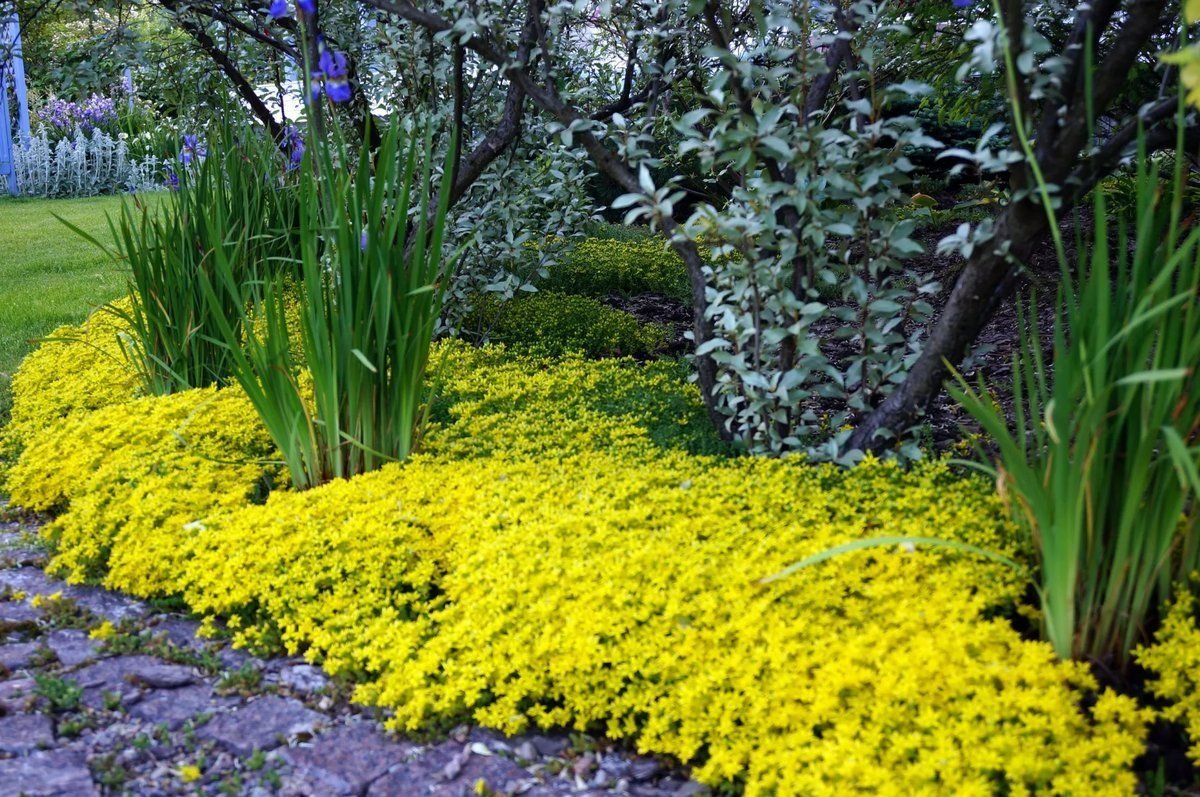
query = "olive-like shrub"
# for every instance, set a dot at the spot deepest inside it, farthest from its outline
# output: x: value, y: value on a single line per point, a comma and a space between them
x: 569, y: 549
x: 550, y: 323
x: 601, y: 266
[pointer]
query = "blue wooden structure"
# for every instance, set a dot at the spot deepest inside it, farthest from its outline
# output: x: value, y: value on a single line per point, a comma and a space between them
x: 14, y: 104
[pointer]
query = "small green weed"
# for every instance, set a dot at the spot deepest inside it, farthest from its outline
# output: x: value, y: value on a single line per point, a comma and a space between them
x: 109, y: 772
x: 62, y: 694
x: 244, y: 681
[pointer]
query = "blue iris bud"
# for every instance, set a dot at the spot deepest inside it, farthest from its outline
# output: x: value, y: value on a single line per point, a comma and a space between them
x: 278, y: 9
x: 338, y: 90
x: 307, y: 6
x: 332, y: 63
x: 362, y: 241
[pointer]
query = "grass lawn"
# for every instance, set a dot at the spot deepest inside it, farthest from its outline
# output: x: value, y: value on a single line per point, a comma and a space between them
x: 48, y: 274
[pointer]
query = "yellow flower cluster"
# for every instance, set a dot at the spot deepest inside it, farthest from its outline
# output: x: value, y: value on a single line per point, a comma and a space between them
x: 599, y: 591
x: 77, y: 368
x: 569, y: 550
x: 1175, y: 657
x: 144, y: 468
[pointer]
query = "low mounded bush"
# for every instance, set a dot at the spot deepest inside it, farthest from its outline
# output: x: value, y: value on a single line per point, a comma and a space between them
x: 567, y: 551
x: 599, y: 267
x: 550, y: 323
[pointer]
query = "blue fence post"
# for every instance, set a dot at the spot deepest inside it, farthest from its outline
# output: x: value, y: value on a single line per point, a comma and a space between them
x: 12, y: 71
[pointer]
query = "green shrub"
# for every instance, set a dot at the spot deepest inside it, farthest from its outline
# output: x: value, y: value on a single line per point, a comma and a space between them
x: 616, y: 232
x: 551, y: 324
x: 599, y: 267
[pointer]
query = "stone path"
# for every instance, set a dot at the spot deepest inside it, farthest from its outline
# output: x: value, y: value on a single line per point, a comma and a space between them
x: 154, y: 710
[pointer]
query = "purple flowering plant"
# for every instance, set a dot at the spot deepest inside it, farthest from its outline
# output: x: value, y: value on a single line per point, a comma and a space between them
x: 192, y: 149
x: 62, y: 118
x: 332, y: 72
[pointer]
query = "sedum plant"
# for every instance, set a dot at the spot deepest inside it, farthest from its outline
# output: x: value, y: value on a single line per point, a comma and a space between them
x: 1102, y: 465
x: 347, y: 396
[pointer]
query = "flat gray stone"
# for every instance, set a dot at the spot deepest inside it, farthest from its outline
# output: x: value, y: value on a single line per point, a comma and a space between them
x: 304, y: 678
x: 15, y: 612
x: 126, y: 675
x: 16, y: 694
x: 31, y: 581
x: 22, y: 733
x: 173, y: 707
x: 179, y: 632
x: 17, y: 655
x: 109, y: 605
x: 72, y: 646
x: 261, y: 724
x: 342, y: 761
x: 20, y: 555
x: 53, y: 773
x: 450, y: 770
x: 233, y: 659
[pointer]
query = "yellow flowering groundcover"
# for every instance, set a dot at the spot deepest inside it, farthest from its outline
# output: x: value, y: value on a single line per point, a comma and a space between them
x: 572, y: 548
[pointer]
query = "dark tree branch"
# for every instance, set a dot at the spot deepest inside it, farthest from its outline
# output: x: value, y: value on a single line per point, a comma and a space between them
x: 988, y: 276
x: 818, y: 93
x: 223, y: 61
x: 217, y: 15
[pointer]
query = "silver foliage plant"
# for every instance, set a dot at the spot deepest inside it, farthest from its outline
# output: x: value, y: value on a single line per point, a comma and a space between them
x: 816, y: 313
x: 80, y: 165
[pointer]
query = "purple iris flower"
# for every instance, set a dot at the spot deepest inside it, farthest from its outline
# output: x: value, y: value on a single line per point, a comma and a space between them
x: 307, y: 6
x: 192, y: 149
x: 295, y: 143
x: 334, y: 71
x: 332, y: 63
x: 338, y: 90
x: 963, y: 3
x: 362, y: 241
x: 172, y: 179
x: 278, y: 9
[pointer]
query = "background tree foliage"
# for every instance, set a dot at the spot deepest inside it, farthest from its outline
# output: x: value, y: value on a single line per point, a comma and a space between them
x: 776, y: 143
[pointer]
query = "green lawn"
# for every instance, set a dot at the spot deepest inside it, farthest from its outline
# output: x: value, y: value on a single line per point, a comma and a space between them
x: 48, y: 274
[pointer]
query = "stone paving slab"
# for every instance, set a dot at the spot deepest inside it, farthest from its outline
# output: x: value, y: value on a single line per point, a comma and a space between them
x: 157, y: 716
x: 452, y: 770
x: 23, y: 733
x: 174, y: 707
x: 262, y: 724
x: 71, y: 646
x: 53, y: 773
x: 18, y: 655
x: 126, y: 677
x: 343, y: 761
